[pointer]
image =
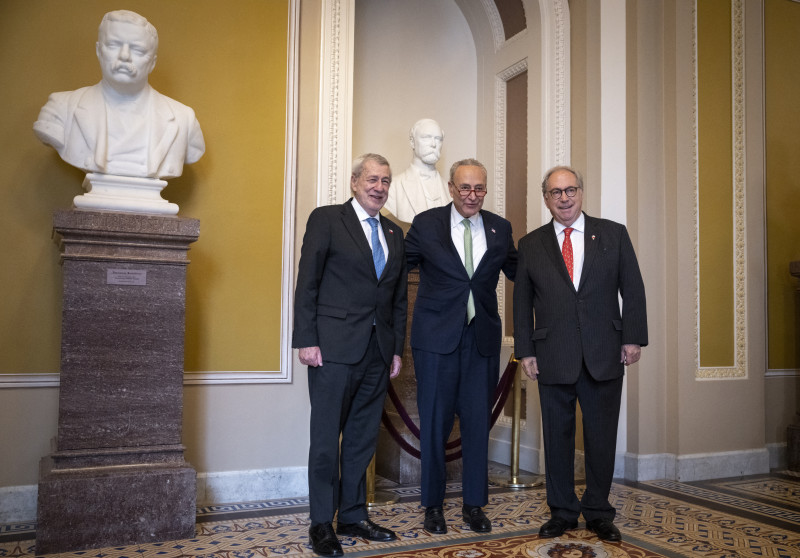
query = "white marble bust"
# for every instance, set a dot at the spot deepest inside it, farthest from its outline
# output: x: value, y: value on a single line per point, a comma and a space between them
x: 420, y: 186
x: 121, y: 126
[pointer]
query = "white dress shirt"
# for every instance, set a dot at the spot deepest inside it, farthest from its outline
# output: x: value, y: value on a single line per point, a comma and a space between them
x: 576, y: 237
x: 478, y: 235
x: 362, y: 217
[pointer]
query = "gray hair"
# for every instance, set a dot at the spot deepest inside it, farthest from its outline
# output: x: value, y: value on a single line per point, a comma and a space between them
x: 554, y: 170
x: 127, y: 16
x: 358, y: 164
x: 467, y: 163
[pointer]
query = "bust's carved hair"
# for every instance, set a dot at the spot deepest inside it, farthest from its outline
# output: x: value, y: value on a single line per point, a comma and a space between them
x: 127, y: 16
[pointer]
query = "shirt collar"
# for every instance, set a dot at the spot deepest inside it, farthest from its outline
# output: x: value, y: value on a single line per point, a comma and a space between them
x: 456, y: 218
x: 579, y: 225
x: 361, y: 213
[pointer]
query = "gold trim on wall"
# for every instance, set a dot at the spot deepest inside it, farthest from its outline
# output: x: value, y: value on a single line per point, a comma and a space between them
x: 739, y: 369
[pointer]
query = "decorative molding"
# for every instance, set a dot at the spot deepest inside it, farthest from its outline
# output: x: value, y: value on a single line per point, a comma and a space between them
x: 8, y: 381
x: 555, y: 82
x: 739, y: 369
x: 500, y: 119
x: 782, y: 373
x: 243, y: 377
x: 560, y: 82
x: 335, y: 101
x: 289, y: 201
x: 495, y: 24
x: 48, y: 380
x: 500, y: 150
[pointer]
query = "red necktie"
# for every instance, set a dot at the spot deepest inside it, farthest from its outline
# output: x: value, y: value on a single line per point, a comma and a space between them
x: 566, y: 251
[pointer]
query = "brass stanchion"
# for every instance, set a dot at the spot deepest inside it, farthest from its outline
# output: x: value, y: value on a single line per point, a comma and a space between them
x: 377, y: 497
x: 516, y: 480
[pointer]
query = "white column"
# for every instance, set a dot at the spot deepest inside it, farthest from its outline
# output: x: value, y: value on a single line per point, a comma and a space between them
x: 613, y: 142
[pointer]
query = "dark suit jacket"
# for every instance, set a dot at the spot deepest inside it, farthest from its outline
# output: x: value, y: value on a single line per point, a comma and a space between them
x: 441, y: 305
x: 338, y: 295
x: 584, y: 325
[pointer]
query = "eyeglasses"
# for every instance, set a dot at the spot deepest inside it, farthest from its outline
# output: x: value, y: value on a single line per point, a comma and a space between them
x: 464, y: 190
x: 555, y: 193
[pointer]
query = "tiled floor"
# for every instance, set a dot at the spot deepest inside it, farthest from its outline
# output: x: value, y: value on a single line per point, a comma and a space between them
x: 751, y: 516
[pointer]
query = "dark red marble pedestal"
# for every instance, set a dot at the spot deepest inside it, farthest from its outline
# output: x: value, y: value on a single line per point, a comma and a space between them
x: 118, y: 475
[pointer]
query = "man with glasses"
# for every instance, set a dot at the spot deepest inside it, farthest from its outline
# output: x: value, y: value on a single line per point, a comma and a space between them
x: 569, y: 334
x: 460, y: 250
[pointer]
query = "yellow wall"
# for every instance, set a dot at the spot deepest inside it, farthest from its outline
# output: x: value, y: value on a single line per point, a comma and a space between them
x: 782, y: 75
x: 227, y: 62
x: 715, y: 171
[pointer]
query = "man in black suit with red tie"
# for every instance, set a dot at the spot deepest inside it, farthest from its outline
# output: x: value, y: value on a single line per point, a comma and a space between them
x: 456, y: 335
x: 569, y: 334
x: 349, y: 324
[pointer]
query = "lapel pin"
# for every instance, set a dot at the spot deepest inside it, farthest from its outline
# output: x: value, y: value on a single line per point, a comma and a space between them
x: 493, y: 231
x: 593, y: 237
x: 391, y: 231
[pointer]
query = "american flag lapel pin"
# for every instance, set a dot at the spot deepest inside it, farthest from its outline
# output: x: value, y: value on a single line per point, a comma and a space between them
x: 391, y: 231
x: 493, y: 231
x: 593, y: 237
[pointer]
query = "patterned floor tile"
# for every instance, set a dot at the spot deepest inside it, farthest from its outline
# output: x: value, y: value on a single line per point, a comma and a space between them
x: 746, y: 517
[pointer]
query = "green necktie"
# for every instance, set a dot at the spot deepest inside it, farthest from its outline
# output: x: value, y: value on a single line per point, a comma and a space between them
x: 468, y: 265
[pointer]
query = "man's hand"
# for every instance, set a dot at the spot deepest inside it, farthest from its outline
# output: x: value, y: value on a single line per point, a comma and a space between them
x: 530, y: 367
x: 397, y: 363
x: 630, y: 354
x: 310, y: 356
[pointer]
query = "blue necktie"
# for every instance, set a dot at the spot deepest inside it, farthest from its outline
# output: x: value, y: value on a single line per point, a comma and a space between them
x: 377, y: 250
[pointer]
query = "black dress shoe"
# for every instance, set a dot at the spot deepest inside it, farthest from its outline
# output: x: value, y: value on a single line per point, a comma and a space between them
x: 324, y: 541
x: 476, y: 519
x: 366, y: 529
x: 556, y: 527
x: 434, y: 521
x: 604, y: 529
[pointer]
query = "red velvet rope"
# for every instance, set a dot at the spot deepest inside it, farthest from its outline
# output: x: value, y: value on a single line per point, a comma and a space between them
x: 500, y: 396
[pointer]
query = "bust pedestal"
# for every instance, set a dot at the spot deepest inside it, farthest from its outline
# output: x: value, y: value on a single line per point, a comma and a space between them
x: 391, y: 461
x: 118, y: 474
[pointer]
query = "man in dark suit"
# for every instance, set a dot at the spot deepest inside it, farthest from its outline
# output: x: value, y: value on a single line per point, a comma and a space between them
x: 456, y: 335
x: 570, y: 335
x: 349, y: 324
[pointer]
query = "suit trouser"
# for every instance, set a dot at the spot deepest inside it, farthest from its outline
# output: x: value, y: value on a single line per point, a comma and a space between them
x: 346, y: 400
x: 460, y: 383
x: 600, y: 402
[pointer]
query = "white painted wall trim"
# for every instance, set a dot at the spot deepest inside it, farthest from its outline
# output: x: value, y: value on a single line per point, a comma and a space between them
x: 289, y: 201
x: 8, y: 381
x: 335, y: 130
x: 556, y: 139
x: 555, y: 33
x: 18, y: 504
x: 692, y: 467
x: 500, y: 452
x: 778, y: 456
x: 230, y: 487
